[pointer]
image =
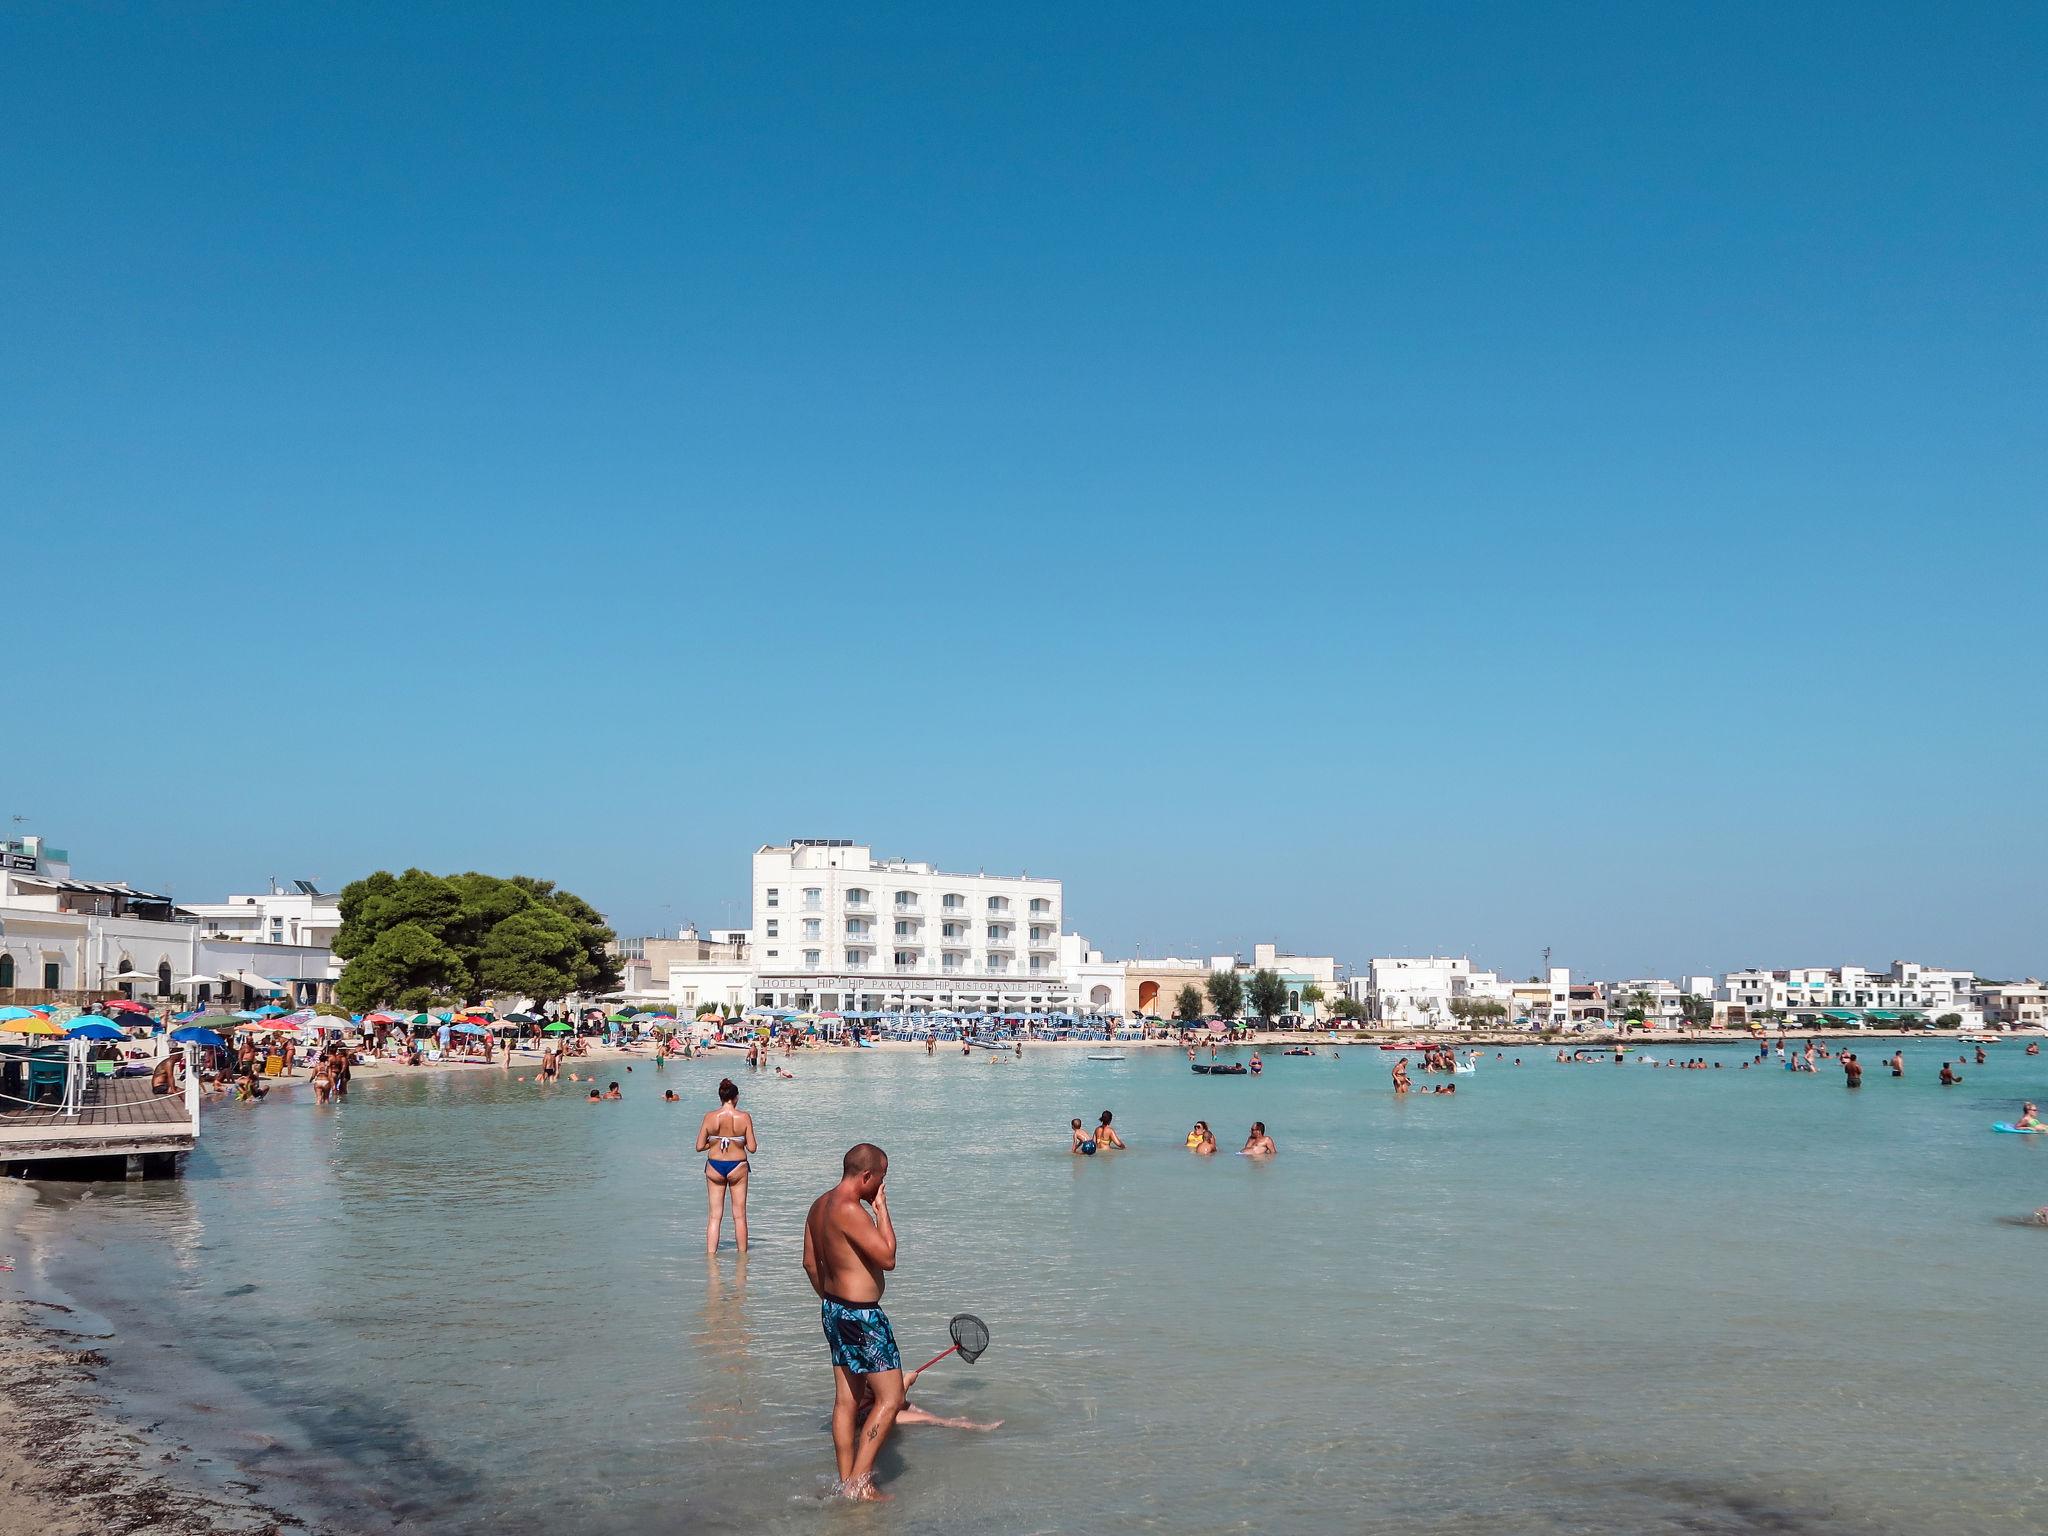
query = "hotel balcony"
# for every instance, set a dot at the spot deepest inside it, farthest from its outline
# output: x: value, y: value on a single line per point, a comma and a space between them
x: 858, y: 906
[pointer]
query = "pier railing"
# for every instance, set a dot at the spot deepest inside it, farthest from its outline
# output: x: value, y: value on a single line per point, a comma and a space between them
x: 79, y: 1074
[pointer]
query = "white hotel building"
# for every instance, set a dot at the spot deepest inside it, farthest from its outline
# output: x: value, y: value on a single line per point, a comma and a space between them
x: 1848, y: 994
x: 837, y: 929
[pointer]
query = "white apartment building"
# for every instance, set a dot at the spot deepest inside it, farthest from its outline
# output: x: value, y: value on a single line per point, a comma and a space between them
x: 837, y: 929
x: 302, y: 915
x: 1850, y: 994
x: 66, y: 939
x: 1415, y: 991
x: 1665, y: 1008
x: 2015, y: 1004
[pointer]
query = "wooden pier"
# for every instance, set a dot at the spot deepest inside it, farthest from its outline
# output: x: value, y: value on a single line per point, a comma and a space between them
x: 113, y: 1117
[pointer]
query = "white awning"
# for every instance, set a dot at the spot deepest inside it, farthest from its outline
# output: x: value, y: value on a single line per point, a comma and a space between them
x: 254, y: 982
x: 197, y: 981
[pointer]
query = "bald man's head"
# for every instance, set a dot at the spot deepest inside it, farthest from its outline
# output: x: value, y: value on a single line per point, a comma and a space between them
x: 865, y: 1158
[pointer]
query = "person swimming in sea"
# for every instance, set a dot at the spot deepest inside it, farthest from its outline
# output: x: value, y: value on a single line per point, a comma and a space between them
x: 1106, y: 1137
x: 1084, y: 1142
x: 613, y: 1091
x: 1202, y: 1140
x: 2029, y: 1120
x: 1258, y: 1143
x: 730, y: 1131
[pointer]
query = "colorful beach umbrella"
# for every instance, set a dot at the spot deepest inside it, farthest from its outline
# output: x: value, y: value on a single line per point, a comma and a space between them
x: 96, y: 1029
x: 467, y: 1028
x: 194, y: 1035
x: 23, y: 1013
x: 34, y: 1024
x: 125, y: 1005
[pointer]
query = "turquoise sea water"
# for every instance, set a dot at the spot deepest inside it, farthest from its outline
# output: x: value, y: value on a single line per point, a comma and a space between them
x: 1572, y: 1299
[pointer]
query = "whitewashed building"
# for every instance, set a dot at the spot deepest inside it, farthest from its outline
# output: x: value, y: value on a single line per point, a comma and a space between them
x: 1416, y: 991
x: 1664, y: 1005
x: 66, y: 938
x: 1851, y: 994
x: 835, y: 928
x: 2014, y: 1004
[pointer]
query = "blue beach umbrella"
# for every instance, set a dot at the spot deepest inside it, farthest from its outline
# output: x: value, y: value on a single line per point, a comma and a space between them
x: 24, y: 1013
x: 467, y: 1029
x: 96, y: 1029
x: 194, y: 1035
x: 268, y: 1011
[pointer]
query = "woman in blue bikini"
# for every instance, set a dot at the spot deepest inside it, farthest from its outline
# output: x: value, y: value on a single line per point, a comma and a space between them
x: 725, y: 1139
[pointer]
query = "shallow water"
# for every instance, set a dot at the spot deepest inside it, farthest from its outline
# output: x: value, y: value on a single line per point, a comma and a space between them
x: 1572, y: 1299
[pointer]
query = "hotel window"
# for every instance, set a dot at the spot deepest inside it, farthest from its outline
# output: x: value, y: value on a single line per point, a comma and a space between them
x: 906, y: 930
x: 906, y: 957
x: 6, y: 970
x: 774, y: 897
x: 905, y: 900
x: 1040, y: 907
x: 1038, y: 935
x: 999, y: 903
x: 952, y: 903
x: 953, y: 930
x: 811, y: 959
x: 855, y: 928
x: 774, y: 954
x: 51, y: 972
x: 857, y: 897
x: 811, y: 895
x: 998, y: 934
x: 998, y: 963
x: 774, y: 927
x: 811, y: 928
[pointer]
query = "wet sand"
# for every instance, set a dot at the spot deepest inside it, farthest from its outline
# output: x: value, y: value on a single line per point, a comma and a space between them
x: 69, y: 1467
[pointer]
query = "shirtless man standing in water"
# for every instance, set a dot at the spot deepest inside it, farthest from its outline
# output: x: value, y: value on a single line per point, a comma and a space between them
x: 847, y: 1250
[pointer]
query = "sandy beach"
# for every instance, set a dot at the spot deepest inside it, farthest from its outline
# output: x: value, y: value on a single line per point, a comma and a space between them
x: 70, y: 1467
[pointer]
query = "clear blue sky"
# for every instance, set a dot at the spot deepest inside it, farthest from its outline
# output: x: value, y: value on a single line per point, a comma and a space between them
x: 1460, y: 477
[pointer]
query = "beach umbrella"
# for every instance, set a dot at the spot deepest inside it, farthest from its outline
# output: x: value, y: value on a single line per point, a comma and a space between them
x: 23, y: 1013
x: 467, y: 1028
x: 193, y: 1035
x: 380, y: 1018
x: 522, y: 1017
x: 211, y: 1020
x: 34, y: 1024
x: 125, y: 1005
x: 556, y: 1028
x: 96, y: 1029
x: 268, y: 1010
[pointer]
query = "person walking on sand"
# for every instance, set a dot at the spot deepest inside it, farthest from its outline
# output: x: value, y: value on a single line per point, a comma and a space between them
x: 725, y: 1138
x: 849, y: 1245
